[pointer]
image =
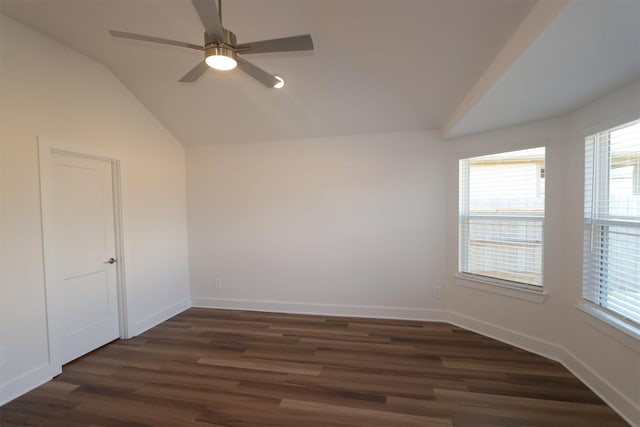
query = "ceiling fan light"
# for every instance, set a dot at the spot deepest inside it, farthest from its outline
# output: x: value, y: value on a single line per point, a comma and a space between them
x: 221, y: 58
x: 280, y: 83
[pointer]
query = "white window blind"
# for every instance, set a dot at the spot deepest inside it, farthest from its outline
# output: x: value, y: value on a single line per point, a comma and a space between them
x: 611, y: 273
x: 501, y: 218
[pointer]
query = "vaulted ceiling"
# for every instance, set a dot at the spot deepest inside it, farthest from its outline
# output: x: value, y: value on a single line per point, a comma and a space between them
x: 458, y: 66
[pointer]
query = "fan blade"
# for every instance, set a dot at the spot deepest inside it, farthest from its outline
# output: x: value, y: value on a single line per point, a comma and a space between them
x: 195, y: 73
x: 285, y: 44
x: 257, y: 73
x: 151, y: 39
x: 208, y: 13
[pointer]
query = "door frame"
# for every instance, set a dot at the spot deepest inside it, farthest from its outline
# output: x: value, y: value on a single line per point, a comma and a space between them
x: 47, y: 147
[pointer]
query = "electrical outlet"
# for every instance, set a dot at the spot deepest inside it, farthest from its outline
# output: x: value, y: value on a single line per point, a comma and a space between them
x: 436, y: 292
x: 218, y: 283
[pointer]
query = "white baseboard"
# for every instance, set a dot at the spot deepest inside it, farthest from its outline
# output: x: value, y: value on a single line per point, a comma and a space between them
x: 518, y: 339
x: 24, y: 383
x: 404, y: 313
x: 627, y: 409
x: 160, y: 316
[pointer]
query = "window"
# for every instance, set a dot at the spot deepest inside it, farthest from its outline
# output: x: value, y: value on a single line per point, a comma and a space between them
x: 611, y: 276
x: 501, y: 218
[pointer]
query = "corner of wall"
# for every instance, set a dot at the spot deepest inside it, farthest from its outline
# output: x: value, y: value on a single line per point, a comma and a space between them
x: 158, y: 317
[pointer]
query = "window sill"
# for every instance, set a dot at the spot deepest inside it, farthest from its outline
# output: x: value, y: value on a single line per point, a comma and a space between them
x: 496, y: 288
x: 618, y: 329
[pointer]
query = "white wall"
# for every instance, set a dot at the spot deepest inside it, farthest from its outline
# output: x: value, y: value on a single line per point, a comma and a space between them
x: 358, y: 225
x: 49, y: 91
x: 347, y: 225
x: 605, y: 358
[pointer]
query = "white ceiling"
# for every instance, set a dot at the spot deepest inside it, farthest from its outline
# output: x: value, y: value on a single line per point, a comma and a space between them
x: 590, y: 49
x: 378, y: 66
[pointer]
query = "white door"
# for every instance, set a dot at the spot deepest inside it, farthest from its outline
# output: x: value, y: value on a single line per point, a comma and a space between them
x: 85, y: 281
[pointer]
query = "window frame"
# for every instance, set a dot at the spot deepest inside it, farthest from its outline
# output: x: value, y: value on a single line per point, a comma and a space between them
x: 521, y: 290
x: 596, y: 187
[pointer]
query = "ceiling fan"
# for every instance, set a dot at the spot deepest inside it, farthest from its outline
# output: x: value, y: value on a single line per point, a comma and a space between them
x: 221, y: 52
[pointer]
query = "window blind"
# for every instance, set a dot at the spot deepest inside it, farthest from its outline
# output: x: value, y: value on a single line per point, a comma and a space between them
x: 501, y: 217
x: 611, y: 276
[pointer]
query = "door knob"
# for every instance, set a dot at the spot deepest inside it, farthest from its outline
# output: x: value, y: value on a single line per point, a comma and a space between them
x: 111, y: 261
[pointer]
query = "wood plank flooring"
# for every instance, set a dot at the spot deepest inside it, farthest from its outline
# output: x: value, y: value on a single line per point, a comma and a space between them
x: 242, y: 369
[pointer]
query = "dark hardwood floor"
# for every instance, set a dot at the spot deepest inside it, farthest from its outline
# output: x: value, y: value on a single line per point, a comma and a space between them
x: 238, y: 368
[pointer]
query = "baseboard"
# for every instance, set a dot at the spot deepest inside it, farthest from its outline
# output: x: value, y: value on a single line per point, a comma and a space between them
x: 24, y: 383
x: 515, y: 338
x: 160, y: 316
x: 627, y: 409
x: 404, y: 313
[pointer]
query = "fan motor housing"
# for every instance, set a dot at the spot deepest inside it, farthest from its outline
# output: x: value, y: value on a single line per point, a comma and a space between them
x: 229, y: 40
